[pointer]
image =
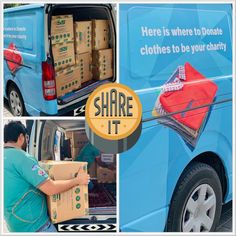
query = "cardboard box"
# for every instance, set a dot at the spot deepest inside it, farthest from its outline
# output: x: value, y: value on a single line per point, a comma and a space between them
x: 100, y: 39
x: 102, y: 64
x: 67, y: 80
x: 72, y: 203
x: 62, y: 29
x: 75, y: 152
x: 79, y: 139
x: 63, y: 55
x: 105, y: 175
x: 83, y: 36
x: 69, y: 134
x: 84, y: 62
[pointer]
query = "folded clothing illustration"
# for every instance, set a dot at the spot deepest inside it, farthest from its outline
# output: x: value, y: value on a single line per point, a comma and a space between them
x: 13, y: 58
x: 183, y: 95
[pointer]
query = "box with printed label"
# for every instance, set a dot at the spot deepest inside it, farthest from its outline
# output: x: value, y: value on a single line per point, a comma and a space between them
x: 62, y: 29
x: 67, y: 80
x: 83, y: 36
x: 102, y: 64
x: 100, y: 39
x: 72, y: 203
x: 84, y: 62
x: 108, y: 158
x: 63, y: 55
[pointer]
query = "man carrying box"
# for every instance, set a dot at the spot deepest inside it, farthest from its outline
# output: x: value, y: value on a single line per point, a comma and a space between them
x: 26, y: 183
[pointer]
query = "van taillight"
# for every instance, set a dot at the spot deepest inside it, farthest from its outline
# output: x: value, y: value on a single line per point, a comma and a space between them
x: 49, y: 84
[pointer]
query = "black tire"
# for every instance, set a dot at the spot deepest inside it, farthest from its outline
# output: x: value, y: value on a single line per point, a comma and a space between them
x: 16, y: 111
x: 196, y: 175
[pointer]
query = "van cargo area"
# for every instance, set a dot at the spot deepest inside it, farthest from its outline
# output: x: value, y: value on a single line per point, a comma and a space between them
x: 63, y: 140
x: 90, y: 60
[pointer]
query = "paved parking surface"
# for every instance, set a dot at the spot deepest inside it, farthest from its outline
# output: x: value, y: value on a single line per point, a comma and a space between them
x: 225, y: 224
x: 6, y: 110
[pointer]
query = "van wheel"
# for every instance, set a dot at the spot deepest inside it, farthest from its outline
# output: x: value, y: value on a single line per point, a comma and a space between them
x: 15, y: 101
x: 197, y: 200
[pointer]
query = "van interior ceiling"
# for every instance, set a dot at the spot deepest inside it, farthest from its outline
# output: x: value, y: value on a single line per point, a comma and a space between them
x: 102, y: 196
x: 84, y: 12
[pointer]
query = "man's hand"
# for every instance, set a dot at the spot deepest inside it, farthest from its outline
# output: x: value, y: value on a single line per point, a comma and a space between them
x: 82, y: 178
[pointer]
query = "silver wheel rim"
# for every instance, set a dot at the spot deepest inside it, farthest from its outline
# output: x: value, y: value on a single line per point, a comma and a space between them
x: 15, y: 102
x: 199, y: 212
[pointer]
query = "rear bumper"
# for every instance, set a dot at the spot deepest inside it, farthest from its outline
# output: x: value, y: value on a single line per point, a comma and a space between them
x: 88, y: 225
x: 68, y: 109
x: 68, y: 103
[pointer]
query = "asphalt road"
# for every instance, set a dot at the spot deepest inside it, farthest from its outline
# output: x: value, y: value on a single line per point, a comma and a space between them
x: 225, y: 224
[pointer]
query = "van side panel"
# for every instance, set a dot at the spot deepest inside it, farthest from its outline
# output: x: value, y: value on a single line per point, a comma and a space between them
x: 150, y: 170
x: 25, y: 30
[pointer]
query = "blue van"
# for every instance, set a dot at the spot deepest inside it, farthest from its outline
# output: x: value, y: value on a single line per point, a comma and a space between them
x: 29, y: 81
x: 176, y: 178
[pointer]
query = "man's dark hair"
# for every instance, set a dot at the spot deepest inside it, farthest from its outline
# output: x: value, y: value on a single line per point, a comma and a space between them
x: 12, y: 131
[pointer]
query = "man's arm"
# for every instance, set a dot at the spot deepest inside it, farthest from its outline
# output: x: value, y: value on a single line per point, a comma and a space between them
x: 50, y: 187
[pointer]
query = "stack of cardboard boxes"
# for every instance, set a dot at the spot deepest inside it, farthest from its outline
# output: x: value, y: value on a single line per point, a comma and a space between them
x: 81, y: 52
x: 72, y: 203
x: 93, y: 55
x: 62, y: 39
x: 102, y: 54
